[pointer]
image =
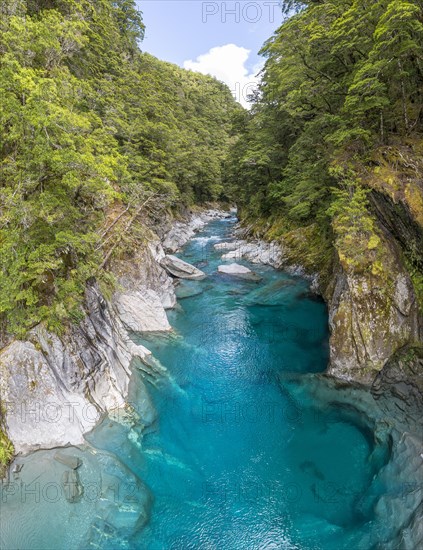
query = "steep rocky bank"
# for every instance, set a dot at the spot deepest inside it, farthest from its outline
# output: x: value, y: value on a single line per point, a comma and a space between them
x: 56, y: 389
x: 372, y: 295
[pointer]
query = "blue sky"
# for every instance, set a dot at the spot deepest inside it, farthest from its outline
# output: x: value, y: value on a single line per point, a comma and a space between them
x: 214, y: 37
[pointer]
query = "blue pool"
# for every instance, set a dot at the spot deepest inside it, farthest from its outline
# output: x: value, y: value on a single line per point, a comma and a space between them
x: 239, y: 457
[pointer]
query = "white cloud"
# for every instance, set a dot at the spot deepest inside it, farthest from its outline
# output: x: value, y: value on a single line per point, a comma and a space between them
x: 228, y: 64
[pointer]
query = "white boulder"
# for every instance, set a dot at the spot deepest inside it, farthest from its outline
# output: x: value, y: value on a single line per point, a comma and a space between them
x: 227, y: 246
x: 141, y: 311
x: 180, y: 269
x: 237, y: 270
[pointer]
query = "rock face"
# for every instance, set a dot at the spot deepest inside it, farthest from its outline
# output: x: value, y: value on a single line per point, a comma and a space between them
x: 55, y: 389
x: 143, y: 271
x: 399, y: 386
x: 239, y: 271
x: 180, y: 269
x: 371, y: 316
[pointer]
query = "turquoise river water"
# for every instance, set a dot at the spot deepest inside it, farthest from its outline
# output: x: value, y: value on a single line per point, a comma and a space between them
x: 239, y: 456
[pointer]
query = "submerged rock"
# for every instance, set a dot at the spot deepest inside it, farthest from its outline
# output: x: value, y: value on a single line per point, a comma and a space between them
x: 187, y: 289
x: 240, y: 271
x: 72, y: 462
x: 277, y: 292
x: 180, y: 269
x: 72, y: 488
x: 60, y: 507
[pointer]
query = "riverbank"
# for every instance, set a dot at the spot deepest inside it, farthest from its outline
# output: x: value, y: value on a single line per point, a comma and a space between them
x: 56, y: 388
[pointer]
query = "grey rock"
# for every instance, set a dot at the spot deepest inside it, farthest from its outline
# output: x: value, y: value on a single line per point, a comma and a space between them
x: 180, y: 269
x: 233, y: 245
x: 368, y: 324
x: 143, y: 271
x: 141, y: 311
x: 72, y: 462
x: 55, y: 389
x: 257, y: 252
x: 17, y: 468
x: 398, y: 388
x: 239, y: 271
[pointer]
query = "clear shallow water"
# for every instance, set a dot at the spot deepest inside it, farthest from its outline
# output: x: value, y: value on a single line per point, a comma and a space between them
x: 239, y: 457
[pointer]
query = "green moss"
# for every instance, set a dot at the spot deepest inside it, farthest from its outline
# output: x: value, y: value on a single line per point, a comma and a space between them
x: 7, y: 450
x: 373, y: 243
x: 412, y: 264
x: 411, y: 355
x: 6, y: 453
x: 280, y: 226
x: 414, y: 198
x: 395, y: 170
x: 377, y: 268
x: 311, y: 248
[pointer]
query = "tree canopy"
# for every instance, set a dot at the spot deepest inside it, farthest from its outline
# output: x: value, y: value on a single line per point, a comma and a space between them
x: 90, y: 126
x: 342, y: 89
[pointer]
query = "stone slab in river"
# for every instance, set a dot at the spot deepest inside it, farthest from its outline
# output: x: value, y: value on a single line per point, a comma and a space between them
x: 72, y: 462
x: 227, y: 245
x: 238, y: 270
x: 180, y: 269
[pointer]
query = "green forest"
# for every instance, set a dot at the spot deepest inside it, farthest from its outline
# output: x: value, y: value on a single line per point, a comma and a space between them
x: 338, y: 120
x: 92, y: 130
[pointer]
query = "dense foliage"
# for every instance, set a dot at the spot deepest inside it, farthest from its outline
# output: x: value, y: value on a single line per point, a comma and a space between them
x: 341, y: 101
x: 91, y: 127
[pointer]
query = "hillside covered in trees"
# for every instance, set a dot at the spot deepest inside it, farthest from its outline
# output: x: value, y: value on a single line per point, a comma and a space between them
x: 331, y: 152
x: 103, y: 148
x: 92, y: 130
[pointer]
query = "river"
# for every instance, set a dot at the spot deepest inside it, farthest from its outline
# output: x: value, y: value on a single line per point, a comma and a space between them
x: 241, y: 454
x: 237, y: 460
